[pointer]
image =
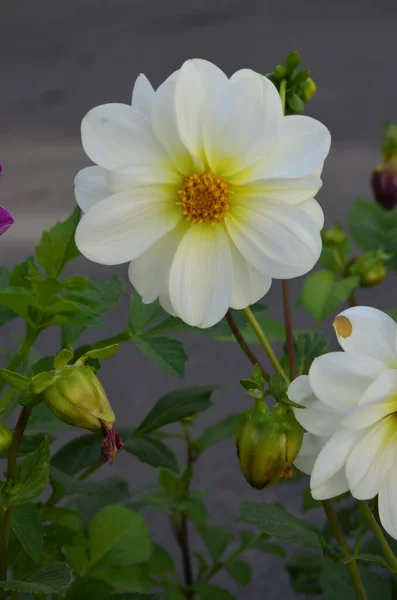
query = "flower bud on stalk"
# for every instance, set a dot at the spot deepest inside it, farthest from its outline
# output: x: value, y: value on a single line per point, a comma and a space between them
x: 5, y: 437
x: 374, y: 275
x: 384, y: 183
x: 77, y: 397
x: 334, y: 236
x: 267, y: 444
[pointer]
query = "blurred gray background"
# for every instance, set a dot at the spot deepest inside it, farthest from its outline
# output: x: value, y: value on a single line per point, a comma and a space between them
x: 59, y: 59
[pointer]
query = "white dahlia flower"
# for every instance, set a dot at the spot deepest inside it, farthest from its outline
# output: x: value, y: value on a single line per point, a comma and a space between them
x: 351, y: 414
x: 204, y: 187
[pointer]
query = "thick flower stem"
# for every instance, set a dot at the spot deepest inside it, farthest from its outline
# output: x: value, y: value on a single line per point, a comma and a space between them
x: 264, y: 341
x: 243, y: 344
x: 377, y: 530
x: 341, y: 539
x: 11, y: 465
x: 289, y: 330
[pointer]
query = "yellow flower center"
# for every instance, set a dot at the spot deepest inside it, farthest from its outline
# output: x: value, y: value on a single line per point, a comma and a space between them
x: 204, y: 198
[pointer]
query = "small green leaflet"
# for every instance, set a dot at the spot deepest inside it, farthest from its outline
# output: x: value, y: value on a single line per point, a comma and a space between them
x: 322, y: 294
x: 31, y: 475
x: 279, y: 524
x: 57, y: 246
x: 52, y: 579
x: 27, y: 527
x: 153, y: 452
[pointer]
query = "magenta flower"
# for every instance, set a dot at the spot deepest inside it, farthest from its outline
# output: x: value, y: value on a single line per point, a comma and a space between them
x: 6, y: 218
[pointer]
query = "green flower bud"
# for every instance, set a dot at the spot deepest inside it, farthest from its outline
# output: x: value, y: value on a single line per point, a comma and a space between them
x: 77, y: 397
x: 267, y: 444
x: 5, y: 437
x: 374, y: 275
x: 335, y: 236
x: 309, y: 89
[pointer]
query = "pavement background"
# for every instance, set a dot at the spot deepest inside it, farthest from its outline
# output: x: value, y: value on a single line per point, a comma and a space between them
x: 59, y: 59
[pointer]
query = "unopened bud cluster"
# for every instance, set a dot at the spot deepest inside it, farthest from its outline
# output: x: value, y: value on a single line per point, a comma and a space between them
x: 384, y: 177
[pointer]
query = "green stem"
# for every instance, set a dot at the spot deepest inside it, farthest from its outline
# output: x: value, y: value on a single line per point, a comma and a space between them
x: 377, y: 530
x: 11, y: 465
x: 243, y: 344
x: 289, y: 330
x: 264, y: 341
x: 21, y: 353
x: 341, y: 539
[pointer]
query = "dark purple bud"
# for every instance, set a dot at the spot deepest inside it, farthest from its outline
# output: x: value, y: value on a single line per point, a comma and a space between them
x: 6, y: 220
x: 111, y: 445
x: 384, y: 185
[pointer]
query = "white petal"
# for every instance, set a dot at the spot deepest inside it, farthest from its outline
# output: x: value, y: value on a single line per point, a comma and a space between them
x: 149, y: 273
x: 123, y: 226
x: 278, y: 239
x: 292, y: 191
x: 309, y: 451
x: 249, y: 285
x: 197, y: 80
x: 335, y: 486
x: 339, y: 379
x: 371, y: 458
x: 333, y: 456
x: 201, y: 277
x: 90, y: 187
x: 378, y: 401
x: 368, y: 331
x: 301, y: 147
x: 241, y: 123
x: 134, y: 176
x: 314, y: 210
x: 143, y: 95
x: 114, y: 135
x: 387, y: 504
x: 317, y: 418
x: 165, y: 126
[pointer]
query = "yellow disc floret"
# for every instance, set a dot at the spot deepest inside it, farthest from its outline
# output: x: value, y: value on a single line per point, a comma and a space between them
x: 204, y: 198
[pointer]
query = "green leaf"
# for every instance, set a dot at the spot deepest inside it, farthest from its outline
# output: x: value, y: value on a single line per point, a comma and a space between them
x: 208, y: 591
x: 57, y: 246
x: 153, y: 452
x: 308, y: 346
x: 335, y: 583
x: 125, y: 579
x: 133, y: 596
x: 279, y: 524
x: 175, y: 406
x: 27, y: 527
x: 240, y: 570
x: 216, y: 540
x: 373, y: 227
x: 101, y: 353
x: 64, y: 485
x: 304, y: 571
x: 63, y: 536
x: 85, y: 588
x: 5, y: 313
x: 119, y: 536
x: 261, y: 543
x: 160, y: 562
x: 196, y: 511
x: 79, y: 454
x: 141, y: 315
x: 63, y: 358
x: 371, y: 558
x: 322, y: 294
x: 21, y: 302
x: 218, y: 432
x: 52, y: 579
x: 31, y: 475
x: 115, y: 489
x: 29, y: 444
x: 174, y: 594
x: 15, y: 380
x: 43, y: 419
x: 168, y: 354
x: 295, y: 103
x: 100, y: 297
x: 292, y: 61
